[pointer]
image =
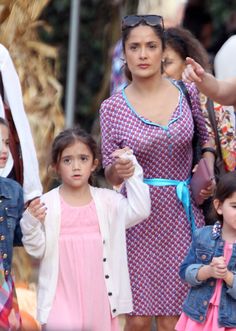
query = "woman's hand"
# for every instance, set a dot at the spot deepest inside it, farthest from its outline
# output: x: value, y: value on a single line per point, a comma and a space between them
x: 37, y: 209
x: 124, y: 168
x: 193, y: 72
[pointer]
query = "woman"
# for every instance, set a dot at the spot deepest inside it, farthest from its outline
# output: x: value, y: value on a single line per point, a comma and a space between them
x: 153, y: 118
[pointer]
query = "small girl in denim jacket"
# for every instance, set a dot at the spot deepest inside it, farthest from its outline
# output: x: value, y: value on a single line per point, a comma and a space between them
x: 210, y: 267
x: 11, y: 209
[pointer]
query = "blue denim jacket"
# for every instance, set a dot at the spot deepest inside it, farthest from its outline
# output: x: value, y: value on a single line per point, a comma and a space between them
x: 203, y: 248
x: 11, y: 209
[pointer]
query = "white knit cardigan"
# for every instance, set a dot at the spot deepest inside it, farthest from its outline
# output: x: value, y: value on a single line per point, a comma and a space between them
x: 115, y: 214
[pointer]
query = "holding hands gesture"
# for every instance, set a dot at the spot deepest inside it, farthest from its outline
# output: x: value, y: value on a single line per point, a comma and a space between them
x: 37, y: 209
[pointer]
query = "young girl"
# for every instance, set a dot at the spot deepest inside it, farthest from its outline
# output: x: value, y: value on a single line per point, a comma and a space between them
x: 210, y: 268
x: 83, y: 277
x: 11, y: 208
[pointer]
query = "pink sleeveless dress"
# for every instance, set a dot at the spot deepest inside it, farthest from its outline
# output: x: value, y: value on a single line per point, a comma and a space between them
x: 211, y: 324
x: 81, y: 300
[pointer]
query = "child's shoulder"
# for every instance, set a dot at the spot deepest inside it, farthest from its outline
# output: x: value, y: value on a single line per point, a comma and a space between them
x: 105, y: 193
x: 204, y: 232
x: 8, y: 183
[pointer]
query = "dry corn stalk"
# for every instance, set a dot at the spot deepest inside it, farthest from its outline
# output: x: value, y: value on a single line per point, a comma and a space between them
x: 35, y: 63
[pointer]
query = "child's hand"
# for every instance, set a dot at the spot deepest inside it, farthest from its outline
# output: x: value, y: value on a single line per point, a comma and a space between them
x: 123, y: 167
x: 218, y: 267
x: 37, y: 209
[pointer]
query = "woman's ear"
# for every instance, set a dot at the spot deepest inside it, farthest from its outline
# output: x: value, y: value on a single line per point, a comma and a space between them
x: 218, y: 206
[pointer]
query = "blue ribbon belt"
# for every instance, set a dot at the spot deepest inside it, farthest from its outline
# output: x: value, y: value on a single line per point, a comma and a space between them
x: 182, y: 192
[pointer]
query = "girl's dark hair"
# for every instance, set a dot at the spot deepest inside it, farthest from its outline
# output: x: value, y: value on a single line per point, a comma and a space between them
x: 183, y: 42
x: 225, y: 188
x: 67, y: 138
x: 125, y: 35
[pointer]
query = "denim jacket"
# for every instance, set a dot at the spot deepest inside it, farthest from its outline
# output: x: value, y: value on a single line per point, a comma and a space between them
x: 205, y: 245
x: 11, y: 209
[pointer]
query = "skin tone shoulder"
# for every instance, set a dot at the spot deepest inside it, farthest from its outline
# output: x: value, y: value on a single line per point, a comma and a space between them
x: 222, y: 91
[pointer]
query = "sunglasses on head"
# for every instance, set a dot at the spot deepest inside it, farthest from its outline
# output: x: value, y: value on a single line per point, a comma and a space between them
x: 131, y: 21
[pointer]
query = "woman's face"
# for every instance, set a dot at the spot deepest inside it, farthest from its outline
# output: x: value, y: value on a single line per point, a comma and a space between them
x: 143, y: 52
x: 173, y: 64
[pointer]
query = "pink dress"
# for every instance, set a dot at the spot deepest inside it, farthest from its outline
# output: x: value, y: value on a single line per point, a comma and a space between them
x: 211, y: 324
x: 81, y: 300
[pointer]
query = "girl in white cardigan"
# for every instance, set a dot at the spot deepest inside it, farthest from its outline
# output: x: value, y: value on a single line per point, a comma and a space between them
x: 78, y: 233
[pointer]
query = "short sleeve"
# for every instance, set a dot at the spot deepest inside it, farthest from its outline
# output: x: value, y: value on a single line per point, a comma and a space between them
x: 108, y: 136
x: 198, y: 117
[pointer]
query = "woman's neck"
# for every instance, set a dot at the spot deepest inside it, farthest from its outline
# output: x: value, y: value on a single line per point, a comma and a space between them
x: 76, y: 196
x: 145, y: 86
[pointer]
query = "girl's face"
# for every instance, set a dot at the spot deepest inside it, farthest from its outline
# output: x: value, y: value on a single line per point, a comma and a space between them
x: 173, y: 65
x: 143, y: 52
x: 76, y: 165
x: 4, y: 153
x: 228, y: 210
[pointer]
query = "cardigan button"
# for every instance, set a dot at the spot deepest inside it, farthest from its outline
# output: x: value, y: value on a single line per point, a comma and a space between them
x: 104, y: 260
x: 204, y: 257
x: 6, y: 272
x: 103, y: 242
x: 1, y: 218
x: 205, y: 302
x: 110, y: 294
x: 2, y: 237
x: 4, y: 255
x: 201, y: 318
x: 114, y: 310
x: 107, y: 276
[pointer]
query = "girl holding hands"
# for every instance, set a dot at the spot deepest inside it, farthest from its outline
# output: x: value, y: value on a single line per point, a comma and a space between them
x: 210, y: 267
x: 78, y: 233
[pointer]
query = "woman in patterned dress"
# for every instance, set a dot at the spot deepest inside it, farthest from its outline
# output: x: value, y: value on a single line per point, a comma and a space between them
x: 153, y: 118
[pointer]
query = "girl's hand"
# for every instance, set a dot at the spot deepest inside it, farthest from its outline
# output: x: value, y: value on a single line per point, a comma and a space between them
x: 37, y: 209
x: 124, y: 168
x: 193, y: 72
x: 218, y: 267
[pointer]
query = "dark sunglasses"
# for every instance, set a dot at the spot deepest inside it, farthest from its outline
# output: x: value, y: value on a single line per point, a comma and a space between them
x: 131, y: 21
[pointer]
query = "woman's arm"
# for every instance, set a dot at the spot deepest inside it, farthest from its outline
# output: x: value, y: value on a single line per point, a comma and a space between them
x: 221, y: 91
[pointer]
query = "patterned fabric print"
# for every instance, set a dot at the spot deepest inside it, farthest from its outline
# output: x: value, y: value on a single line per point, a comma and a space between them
x: 9, y: 310
x: 157, y: 246
x: 226, y: 125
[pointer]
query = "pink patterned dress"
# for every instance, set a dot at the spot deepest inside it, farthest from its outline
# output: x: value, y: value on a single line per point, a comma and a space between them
x: 157, y: 246
x: 81, y: 301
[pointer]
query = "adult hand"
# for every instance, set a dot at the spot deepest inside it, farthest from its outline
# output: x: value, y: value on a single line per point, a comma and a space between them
x: 124, y: 168
x: 37, y: 209
x: 193, y: 72
x: 208, y: 192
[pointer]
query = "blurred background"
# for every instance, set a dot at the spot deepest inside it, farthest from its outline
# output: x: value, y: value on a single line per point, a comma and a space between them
x: 62, y: 50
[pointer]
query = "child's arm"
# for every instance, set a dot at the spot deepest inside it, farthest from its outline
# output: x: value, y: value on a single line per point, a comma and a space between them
x: 33, y: 229
x: 138, y: 203
x: 216, y: 269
